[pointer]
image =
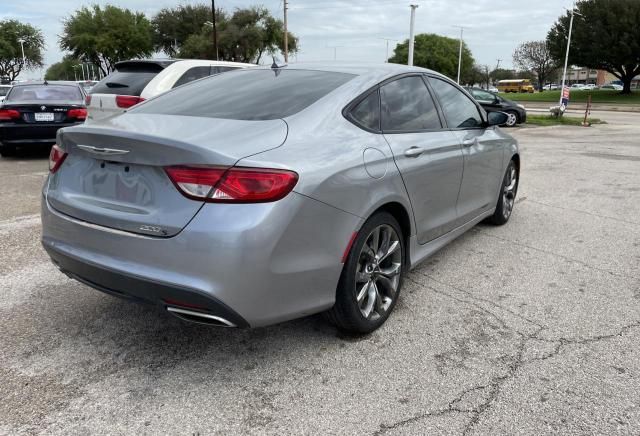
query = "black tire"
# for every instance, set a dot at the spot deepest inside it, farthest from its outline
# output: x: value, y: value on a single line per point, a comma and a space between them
x: 347, y: 314
x: 507, y: 198
x: 7, y: 151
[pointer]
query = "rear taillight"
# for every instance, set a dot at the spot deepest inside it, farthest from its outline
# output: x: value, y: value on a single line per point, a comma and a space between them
x: 87, y: 100
x: 126, y: 101
x: 233, y: 185
x: 56, y: 157
x: 80, y: 114
x: 9, y: 114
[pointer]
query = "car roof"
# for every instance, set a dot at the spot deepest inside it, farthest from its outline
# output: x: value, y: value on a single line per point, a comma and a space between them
x: 367, y: 70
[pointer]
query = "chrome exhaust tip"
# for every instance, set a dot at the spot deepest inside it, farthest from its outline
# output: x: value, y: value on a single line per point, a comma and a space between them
x: 199, y: 317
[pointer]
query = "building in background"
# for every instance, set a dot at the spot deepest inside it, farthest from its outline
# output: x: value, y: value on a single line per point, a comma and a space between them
x: 597, y: 77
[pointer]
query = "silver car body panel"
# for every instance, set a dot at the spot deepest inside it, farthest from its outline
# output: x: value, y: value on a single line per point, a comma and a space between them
x: 272, y: 262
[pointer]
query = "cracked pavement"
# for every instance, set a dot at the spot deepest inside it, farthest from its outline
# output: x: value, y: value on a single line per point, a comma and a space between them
x: 529, y: 328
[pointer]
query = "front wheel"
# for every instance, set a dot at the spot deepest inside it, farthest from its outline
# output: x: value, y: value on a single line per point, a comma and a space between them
x: 507, y: 198
x: 371, y: 278
x: 512, y: 119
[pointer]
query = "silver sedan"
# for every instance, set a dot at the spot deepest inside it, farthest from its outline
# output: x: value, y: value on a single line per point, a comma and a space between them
x: 263, y: 195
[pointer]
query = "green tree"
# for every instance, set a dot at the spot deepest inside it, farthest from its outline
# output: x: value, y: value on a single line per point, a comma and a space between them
x: 436, y: 52
x: 606, y: 36
x: 502, y: 74
x: 535, y: 56
x: 11, y: 63
x: 244, y: 36
x: 106, y: 36
x: 66, y: 69
x: 173, y: 26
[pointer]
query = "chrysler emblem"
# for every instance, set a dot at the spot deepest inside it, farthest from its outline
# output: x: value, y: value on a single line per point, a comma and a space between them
x: 99, y: 150
x: 42, y: 108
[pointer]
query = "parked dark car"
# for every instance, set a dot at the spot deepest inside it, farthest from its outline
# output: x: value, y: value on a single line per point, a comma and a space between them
x: 32, y: 113
x: 494, y: 103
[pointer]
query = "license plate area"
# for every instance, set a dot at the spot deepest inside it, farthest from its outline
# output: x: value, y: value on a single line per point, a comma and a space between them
x: 44, y: 116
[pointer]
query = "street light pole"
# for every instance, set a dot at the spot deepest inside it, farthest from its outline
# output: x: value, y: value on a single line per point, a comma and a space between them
x: 286, y: 33
x: 215, y: 34
x: 386, y: 59
x: 566, y: 57
x: 460, y: 53
x: 24, y: 59
x: 411, y: 35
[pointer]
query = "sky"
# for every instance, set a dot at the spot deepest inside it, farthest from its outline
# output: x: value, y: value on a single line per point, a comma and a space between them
x: 351, y: 30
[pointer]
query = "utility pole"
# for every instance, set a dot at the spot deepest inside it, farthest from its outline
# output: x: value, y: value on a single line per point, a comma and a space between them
x: 411, y: 35
x: 498, y: 64
x: 460, y: 53
x: 286, y: 34
x: 386, y: 59
x: 335, y: 51
x: 566, y: 57
x: 215, y: 33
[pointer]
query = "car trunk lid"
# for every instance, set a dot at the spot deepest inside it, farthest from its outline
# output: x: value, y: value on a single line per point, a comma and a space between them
x: 114, y: 175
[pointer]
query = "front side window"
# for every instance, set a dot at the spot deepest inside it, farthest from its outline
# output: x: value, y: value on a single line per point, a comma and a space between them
x: 367, y: 112
x: 459, y: 111
x: 482, y: 95
x: 248, y: 94
x: 408, y: 106
x: 193, y: 73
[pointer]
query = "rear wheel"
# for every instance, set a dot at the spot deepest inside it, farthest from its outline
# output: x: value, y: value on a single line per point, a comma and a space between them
x: 371, y: 278
x: 507, y: 196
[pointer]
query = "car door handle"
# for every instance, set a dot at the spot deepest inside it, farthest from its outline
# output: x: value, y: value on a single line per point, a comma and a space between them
x: 413, y: 151
x: 470, y: 142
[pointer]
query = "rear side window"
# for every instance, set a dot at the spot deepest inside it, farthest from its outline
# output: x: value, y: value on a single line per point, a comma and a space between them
x: 248, y: 94
x: 367, y: 112
x: 4, y: 90
x: 192, y: 74
x: 124, y: 82
x: 45, y: 92
x: 408, y: 106
x: 218, y: 70
x: 459, y: 110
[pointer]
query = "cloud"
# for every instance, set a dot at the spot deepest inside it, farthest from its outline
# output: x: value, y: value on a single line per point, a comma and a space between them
x: 493, y: 27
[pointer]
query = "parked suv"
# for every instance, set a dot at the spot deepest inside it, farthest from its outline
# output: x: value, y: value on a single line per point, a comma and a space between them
x: 137, y: 80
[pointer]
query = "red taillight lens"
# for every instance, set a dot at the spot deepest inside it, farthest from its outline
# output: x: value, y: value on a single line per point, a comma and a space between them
x: 126, y: 101
x: 87, y: 100
x: 80, y: 114
x: 234, y: 185
x: 56, y: 157
x: 9, y: 114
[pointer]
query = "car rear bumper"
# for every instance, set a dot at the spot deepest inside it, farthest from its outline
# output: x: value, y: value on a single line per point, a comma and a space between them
x: 19, y: 134
x: 253, y: 264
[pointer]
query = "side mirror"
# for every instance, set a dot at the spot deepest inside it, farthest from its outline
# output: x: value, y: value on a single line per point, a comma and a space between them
x: 497, y: 118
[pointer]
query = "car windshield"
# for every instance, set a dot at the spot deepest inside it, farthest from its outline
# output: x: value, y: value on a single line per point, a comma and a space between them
x: 44, y: 92
x: 248, y: 95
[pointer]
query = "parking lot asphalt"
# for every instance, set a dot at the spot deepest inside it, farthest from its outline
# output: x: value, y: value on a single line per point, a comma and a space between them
x: 529, y: 328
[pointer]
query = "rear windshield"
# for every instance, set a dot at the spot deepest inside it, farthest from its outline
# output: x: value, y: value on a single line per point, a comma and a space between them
x: 248, y: 94
x: 44, y: 92
x: 124, y: 82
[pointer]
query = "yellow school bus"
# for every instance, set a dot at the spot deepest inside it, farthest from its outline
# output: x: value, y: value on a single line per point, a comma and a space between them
x: 515, y: 85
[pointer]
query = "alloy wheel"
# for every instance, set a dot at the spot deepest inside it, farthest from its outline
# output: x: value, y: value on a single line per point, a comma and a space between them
x: 512, y: 120
x: 378, y: 272
x: 509, y: 191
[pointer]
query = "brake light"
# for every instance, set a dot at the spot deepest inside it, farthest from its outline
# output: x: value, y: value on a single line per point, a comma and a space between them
x: 9, y: 114
x: 80, y: 114
x: 87, y: 100
x: 126, y: 101
x: 56, y: 157
x: 233, y: 185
